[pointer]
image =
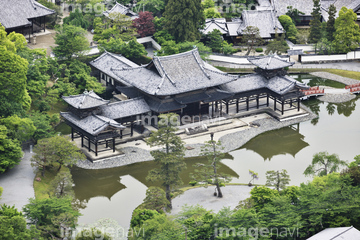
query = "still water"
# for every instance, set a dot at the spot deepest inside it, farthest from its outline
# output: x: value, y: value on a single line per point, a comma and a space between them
x: 115, y: 193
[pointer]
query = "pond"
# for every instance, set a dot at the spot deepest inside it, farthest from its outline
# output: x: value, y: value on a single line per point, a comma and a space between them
x: 115, y: 193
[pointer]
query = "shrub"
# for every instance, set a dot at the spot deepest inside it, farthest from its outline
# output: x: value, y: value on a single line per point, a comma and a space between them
x: 259, y: 50
x: 193, y: 183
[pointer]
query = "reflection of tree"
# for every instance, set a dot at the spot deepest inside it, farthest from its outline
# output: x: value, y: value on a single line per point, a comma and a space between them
x: 346, y: 108
x: 330, y: 108
x: 314, y: 121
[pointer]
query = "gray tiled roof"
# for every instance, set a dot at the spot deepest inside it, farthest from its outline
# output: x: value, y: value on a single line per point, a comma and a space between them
x: 175, y: 74
x: 339, y: 233
x: 118, y: 8
x: 85, y: 100
x: 122, y: 109
x: 93, y: 124
x: 130, y: 92
x: 270, y: 62
x: 107, y: 61
x: 351, y: 4
x: 233, y: 27
x: 163, y: 105
x: 305, y: 6
x: 277, y: 84
x: 16, y: 13
x: 215, y: 23
x: 264, y: 20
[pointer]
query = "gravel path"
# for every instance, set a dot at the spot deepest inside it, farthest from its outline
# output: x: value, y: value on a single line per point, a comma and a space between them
x: 18, y: 183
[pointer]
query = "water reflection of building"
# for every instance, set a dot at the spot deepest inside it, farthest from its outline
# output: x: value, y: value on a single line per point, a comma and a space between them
x: 286, y: 140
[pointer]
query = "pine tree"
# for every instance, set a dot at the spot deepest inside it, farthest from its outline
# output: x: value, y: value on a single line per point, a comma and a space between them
x: 315, y: 24
x: 171, y: 159
x: 184, y: 18
x: 330, y: 25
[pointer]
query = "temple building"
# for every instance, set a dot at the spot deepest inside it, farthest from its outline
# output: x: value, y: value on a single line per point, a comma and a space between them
x: 183, y: 84
x: 23, y: 16
x: 121, y: 9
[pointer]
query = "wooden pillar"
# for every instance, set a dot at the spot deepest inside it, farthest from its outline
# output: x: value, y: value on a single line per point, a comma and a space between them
x: 113, y: 143
x: 291, y: 101
x: 212, y: 109
x: 216, y: 105
x: 267, y: 100
x: 72, y: 134
x: 227, y: 107
x: 132, y: 129
x: 82, y: 140
x: 121, y: 134
x: 237, y: 105
x: 96, y: 148
x: 220, y: 108
x: 282, y: 107
x: 247, y: 104
x: 29, y: 33
x: 257, y: 101
x: 44, y: 23
x: 298, y: 100
x: 199, y: 109
x: 89, y: 147
x: 106, y: 143
x: 274, y: 103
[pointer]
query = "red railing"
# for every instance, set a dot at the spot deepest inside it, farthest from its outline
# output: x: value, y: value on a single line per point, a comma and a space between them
x: 352, y: 86
x: 355, y: 89
x: 311, y: 92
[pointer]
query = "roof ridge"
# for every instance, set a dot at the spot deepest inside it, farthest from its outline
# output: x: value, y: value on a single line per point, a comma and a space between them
x: 342, y: 233
x: 201, y: 67
x: 177, y: 54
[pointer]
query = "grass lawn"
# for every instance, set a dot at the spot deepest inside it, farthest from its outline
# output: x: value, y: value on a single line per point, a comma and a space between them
x: 42, y: 187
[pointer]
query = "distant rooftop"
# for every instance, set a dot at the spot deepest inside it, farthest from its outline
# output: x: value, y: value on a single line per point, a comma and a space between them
x: 264, y: 20
x: 339, y: 233
x: 118, y: 8
x: 215, y: 23
x: 17, y: 13
x: 270, y: 62
x: 305, y: 6
x: 85, y: 100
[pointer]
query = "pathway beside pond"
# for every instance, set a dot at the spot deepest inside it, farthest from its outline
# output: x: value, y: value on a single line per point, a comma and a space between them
x: 18, y: 183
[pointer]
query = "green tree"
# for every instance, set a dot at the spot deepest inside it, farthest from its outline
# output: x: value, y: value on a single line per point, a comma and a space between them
x: 76, y: 18
x: 184, y: 18
x: 13, y: 69
x: 154, y: 6
x: 208, y: 4
x: 70, y: 41
x: 42, y: 124
x: 91, y: 234
x: 277, y: 179
x: 141, y: 215
x: 262, y: 195
x: 155, y: 199
x: 294, y: 14
x: 13, y: 225
x: 323, y: 163
x: 10, y: 151
x: 21, y: 129
x: 215, y: 40
x: 289, y: 26
x: 171, y: 159
x: 213, y: 151
x: 62, y: 185
x: 347, y: 34
x: 12, y: 42
x: 51, y: 215
x: 324, y: 46
x: 53, y: 150
x: 254, y: 175
x: 212, y: 13
x: 277, y: 45
x: 315, y: 23
x: 330, y: 24
x: 251, y: 38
